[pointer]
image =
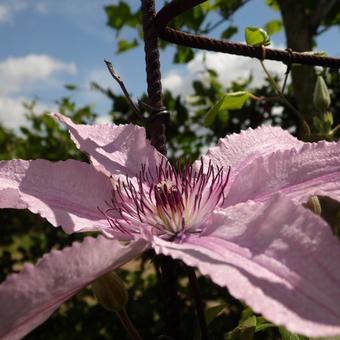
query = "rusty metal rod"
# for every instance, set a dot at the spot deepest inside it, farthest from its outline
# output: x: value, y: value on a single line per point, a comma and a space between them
x: 176, y: 7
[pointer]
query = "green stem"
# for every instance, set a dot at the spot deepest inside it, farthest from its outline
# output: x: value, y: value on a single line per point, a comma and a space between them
x: 335, y: 130
x: 286, y: 78
x: 284, y: 99
x: 125, y: 320
x: 278, y: 91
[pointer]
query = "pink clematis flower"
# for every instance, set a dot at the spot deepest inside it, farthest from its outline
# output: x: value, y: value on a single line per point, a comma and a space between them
x: 236, y: 215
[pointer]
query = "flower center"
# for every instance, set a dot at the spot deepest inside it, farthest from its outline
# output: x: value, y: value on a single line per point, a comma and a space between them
x: 168, y: 201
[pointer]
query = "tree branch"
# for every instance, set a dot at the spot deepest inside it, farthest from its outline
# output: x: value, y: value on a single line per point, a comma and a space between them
x: 320, y: 13
x: 120, y: 82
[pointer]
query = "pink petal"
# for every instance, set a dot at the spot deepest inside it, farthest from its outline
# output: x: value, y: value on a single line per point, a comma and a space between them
x: 65, y: 193
x: 120, y: 149
x: 239, y: 150
x: 11, y: 174
x: 27, y: 299
x: 282, y: 261
x: 312, y: 170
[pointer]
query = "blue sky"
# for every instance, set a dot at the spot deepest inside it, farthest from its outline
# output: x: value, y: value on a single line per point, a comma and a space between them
x: 49, y: 43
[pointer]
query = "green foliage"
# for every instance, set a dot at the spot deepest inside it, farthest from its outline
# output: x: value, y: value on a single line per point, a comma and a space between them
x: 256, y: 36
x: 273, y: 27
x: 183, y: 55
x: 286, y: 335
x: 230, y: 101
x: 244, y: 331
x: 212, y: 312
x: 71, y: 87
x: 125, y: 45
x: 273, y: 5
x: 202, y: 19
x: 229, y: 32
x: 120, y: 15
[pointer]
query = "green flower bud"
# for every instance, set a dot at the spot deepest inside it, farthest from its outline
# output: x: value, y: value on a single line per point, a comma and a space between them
x: 111, y: 292
x: 321, y: 97
x: 328, y: 119
x: 313, y: 204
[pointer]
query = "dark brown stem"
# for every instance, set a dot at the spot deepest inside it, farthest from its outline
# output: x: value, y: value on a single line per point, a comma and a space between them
x: 169, y: 293
x: 198, y: 303
x: 286, y: 78
x: 120, y: 82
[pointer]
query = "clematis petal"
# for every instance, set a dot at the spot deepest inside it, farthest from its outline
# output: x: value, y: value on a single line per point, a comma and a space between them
x: 120, y: 149
x: 284, y: 263
x: 65, y: 193
x: 239, y: 150
x: 27, y: 299
x: 312, y: 170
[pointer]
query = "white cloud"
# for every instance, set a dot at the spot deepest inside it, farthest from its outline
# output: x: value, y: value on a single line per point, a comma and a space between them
x: 104, y: 119
x: 228, y: 67
x: 23, y: 77
x: 41, y: 7
x: 5, y: 15
x: 12, y: 112
x: 18, y: 73
x: 97, y: 99
x: 103, y: 78
x: 9, y: 8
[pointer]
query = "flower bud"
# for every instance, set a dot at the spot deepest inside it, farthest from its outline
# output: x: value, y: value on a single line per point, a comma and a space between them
x: 111, y: 292
x: 313, y: 204
x: 321, y: 97
x: 328, y: 119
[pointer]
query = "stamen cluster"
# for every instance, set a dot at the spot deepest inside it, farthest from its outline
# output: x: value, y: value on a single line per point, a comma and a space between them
x: 169, y: 201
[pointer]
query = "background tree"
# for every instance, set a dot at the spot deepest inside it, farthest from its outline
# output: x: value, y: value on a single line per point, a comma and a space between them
x: 303, y: 22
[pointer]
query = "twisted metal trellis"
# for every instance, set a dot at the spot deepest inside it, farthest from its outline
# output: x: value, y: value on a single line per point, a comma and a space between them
x: 156, y: 25
x: 176, y: 7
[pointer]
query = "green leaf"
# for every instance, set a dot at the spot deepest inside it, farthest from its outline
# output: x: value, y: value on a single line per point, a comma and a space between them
x: 230, y: 101
x: 210, y: 315
x: 246, y: 314
x: 223, y: 117
x: 120, y: 15
x: 70, y: 87
x: 262, y: 324
x: 183, y: 55
x: 256, y: 36
x: 125, y: 45
x: 212, y: 113
x: 286, y: 335
x: 235, y: 100
x: 229, y: 32
x: 244, y: 331
x: 273, y: 5
x: 273, y: 26
x: 212, y: 312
